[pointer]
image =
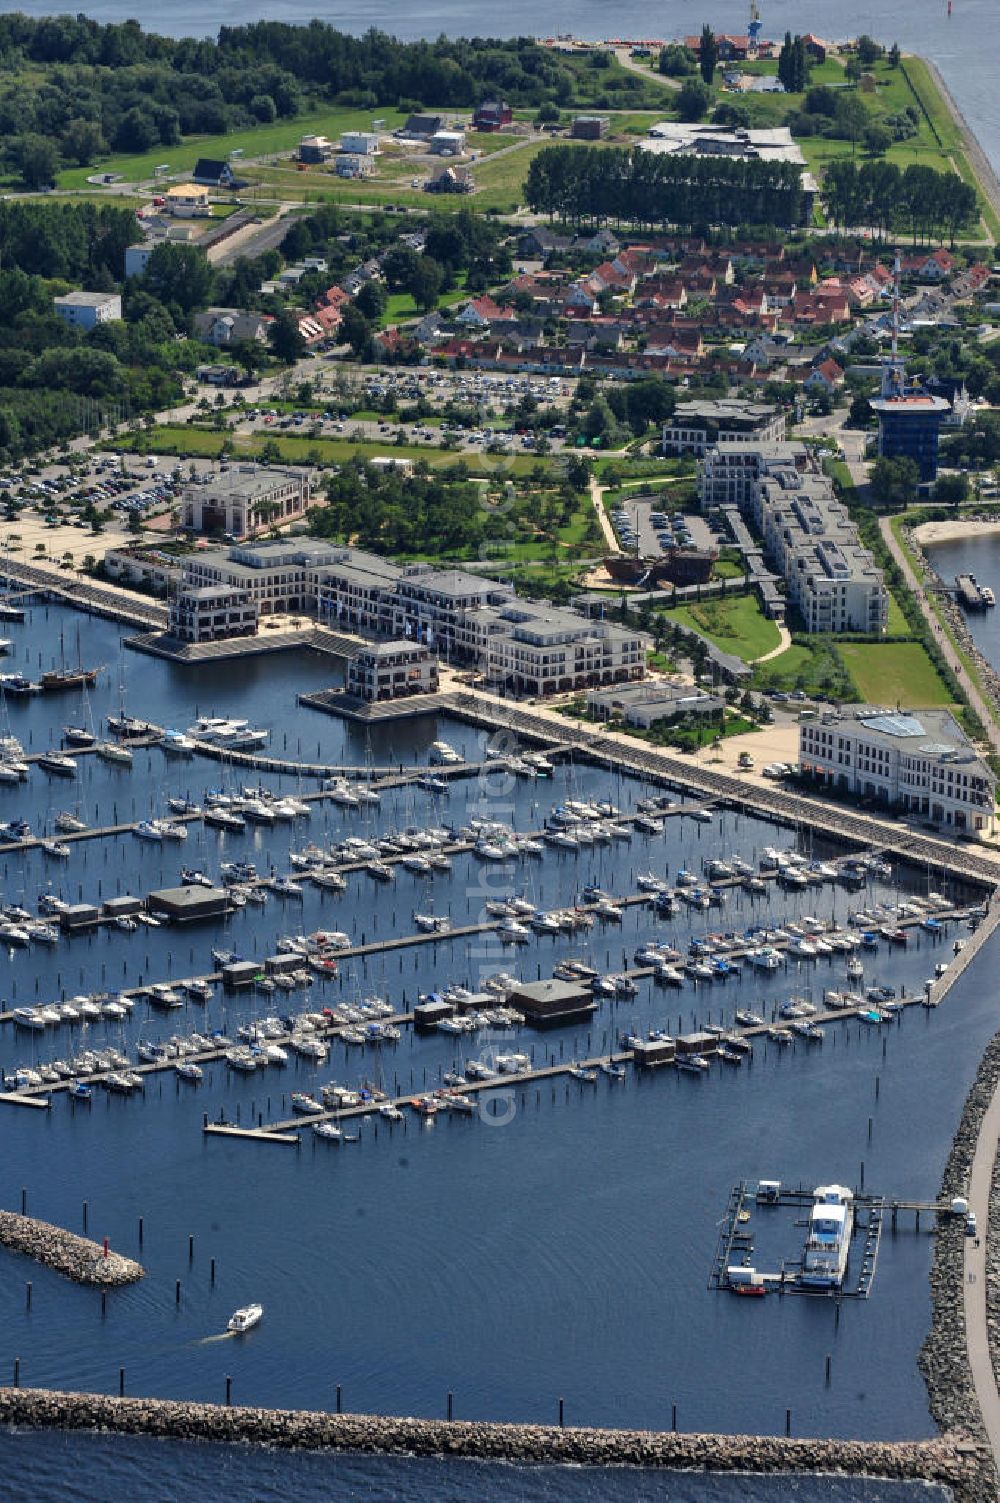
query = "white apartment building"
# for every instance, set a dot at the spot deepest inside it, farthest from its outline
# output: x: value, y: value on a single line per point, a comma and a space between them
x: 210, y: 613
x: 729, y: 470
x: 392, y: 670
x: 245, y: 500
x: 916, y: 761
x: 85, y: 310
x: 699, y: 425
x: 531, y: 647
x: 832, y: 580
x: 807, y: 534
x: 535, y: 648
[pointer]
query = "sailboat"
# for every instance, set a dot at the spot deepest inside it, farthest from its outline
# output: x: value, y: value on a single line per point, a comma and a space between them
x: 13, y: 767
x: 81, y: 734
x: 126, y: 727
x: 68, y: 678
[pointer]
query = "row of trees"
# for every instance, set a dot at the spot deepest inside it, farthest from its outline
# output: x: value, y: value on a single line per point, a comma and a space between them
x: 929, y: 205
x: 643, y: 188
x: 793, y: 64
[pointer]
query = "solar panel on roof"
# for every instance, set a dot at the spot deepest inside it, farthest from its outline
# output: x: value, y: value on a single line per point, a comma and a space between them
x: 896, y: 725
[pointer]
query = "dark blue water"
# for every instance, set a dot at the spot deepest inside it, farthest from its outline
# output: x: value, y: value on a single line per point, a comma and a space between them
x: 564, y: 1255
x: 161, y: 1471
x: 979, y: 556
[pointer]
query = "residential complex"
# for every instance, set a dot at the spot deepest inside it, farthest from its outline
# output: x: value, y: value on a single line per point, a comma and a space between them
x: 698, y: 426
x: 85, y: 310
x: 243, y: 501
x: 917, y: 761
x: 806, y: 534
x: 531, y: 647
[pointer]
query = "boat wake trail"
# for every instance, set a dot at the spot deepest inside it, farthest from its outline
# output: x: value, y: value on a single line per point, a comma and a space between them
x: 222, y: 1336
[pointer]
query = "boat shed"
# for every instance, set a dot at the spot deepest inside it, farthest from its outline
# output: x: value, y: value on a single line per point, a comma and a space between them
x: 430, y: 1013
x: 123, y: 907
x: 185, y: 905
x: 282, y: 965
x: 649, y: 1052
x: 78, y: 916
x: 240, y: 973
x: 547, y: 1003
x: 697, y: 1043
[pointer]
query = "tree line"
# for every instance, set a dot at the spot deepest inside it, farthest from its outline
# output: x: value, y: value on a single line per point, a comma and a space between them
x: 593, y: 184
x: 82, y: 243
x: 85, y: 89
x: 928, y: 205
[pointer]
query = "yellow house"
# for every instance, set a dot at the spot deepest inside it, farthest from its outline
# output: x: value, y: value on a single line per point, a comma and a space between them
x: 187, y: 199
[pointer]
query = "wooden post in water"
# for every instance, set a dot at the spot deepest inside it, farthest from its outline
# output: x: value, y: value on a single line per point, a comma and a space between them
x: 121, y: 1382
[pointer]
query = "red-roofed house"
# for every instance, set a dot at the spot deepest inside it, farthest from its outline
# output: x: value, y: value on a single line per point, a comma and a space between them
x: 932, y: 268
x: 609, y: 278
x: 389, y: 342
x: 333, y: 297
x: 480, y: 312
x: 826, y: 377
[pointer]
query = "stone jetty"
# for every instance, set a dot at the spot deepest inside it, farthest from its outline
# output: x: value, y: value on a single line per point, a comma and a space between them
x: 944, y: 1358
x: 947, y: 1460
x: 77, y: 1258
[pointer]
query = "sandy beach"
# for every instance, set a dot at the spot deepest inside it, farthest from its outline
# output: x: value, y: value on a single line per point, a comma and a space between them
x: 956, y: 531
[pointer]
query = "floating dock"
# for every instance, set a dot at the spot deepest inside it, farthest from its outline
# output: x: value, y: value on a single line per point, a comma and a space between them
x: 733, y: 1267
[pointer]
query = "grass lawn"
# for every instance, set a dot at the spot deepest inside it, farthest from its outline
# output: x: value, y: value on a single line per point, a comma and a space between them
x: 500, y: 181
x: 889, y: 673
x: 259, y: 140
x: 206, y: 444
x: 735, y: 624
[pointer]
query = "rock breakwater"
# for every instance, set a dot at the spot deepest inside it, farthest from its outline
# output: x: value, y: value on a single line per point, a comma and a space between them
x: 946, y: 1460
x: 944, y: 1356
x: 78, y: 1258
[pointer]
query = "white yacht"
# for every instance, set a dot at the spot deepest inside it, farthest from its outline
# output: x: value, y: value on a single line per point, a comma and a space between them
x: 221, y: 731
x: 176, y: 744
x: 113, y: 751
x: 828, y: 1243
x: 245, y: 1319
x: 443, y: 754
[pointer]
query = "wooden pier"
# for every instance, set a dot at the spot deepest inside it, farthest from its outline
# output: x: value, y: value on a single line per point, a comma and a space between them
x: 257, y: 1135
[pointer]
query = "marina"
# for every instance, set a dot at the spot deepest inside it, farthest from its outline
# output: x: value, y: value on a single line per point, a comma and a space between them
x: 652, y: 930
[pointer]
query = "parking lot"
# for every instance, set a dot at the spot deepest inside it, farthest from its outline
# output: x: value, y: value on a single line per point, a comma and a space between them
x: 51, y: 508
x: 641, y: 527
